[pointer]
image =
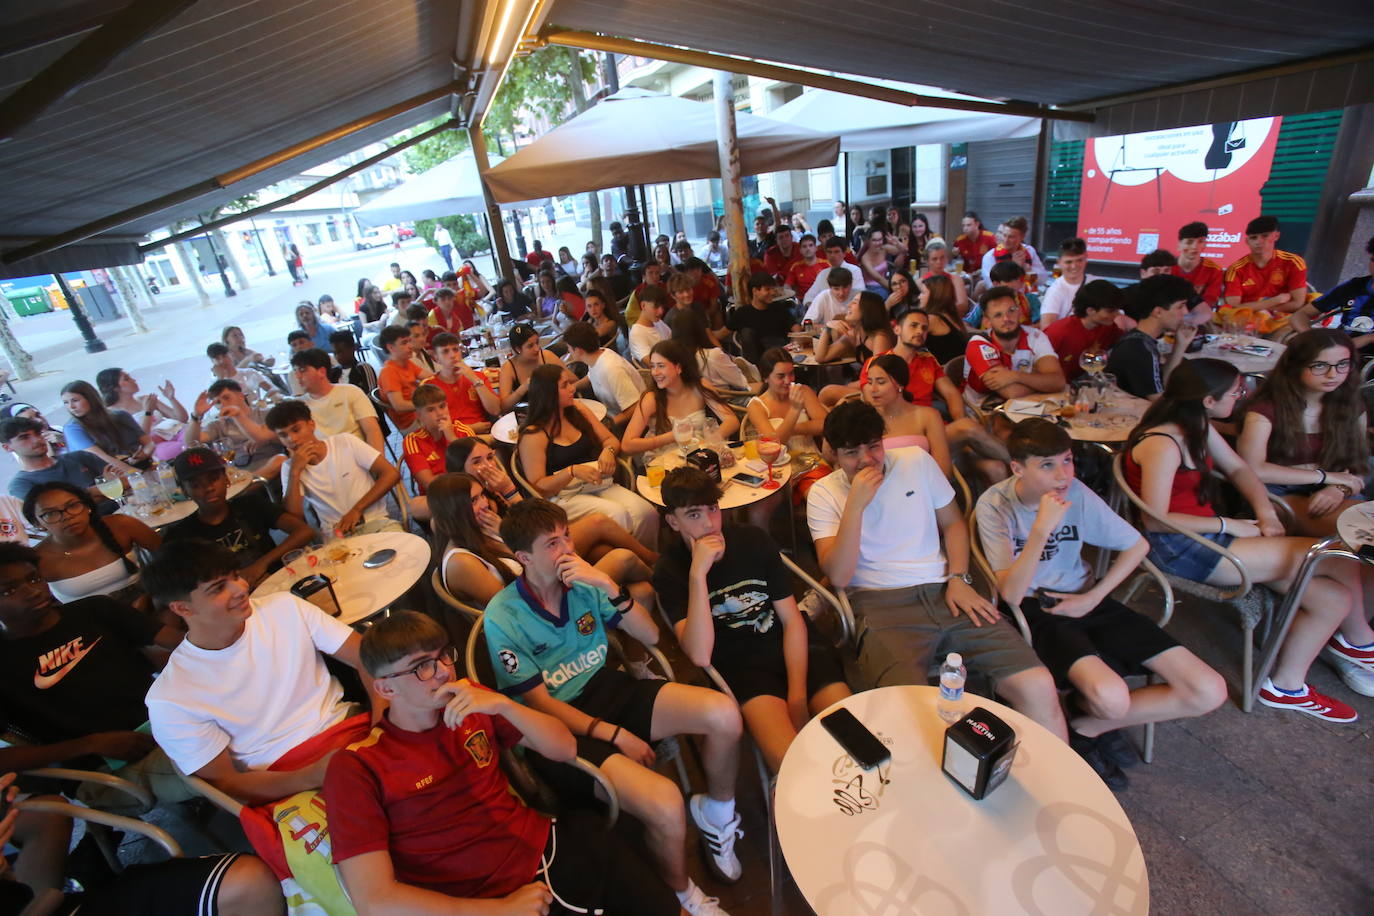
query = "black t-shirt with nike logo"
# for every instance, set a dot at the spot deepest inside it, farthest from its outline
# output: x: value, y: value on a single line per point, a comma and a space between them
x: 86, y: 674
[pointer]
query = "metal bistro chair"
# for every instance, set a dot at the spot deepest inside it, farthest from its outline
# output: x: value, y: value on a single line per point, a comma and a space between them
x: 375, y: 395
x: 1253, y: 603
x: 1128, y: 591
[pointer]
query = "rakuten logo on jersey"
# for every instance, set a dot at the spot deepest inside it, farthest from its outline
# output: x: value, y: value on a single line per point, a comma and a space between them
x: 587, y: 661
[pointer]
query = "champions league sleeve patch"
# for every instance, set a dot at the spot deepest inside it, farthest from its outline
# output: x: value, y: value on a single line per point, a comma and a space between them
x: 509, y: 661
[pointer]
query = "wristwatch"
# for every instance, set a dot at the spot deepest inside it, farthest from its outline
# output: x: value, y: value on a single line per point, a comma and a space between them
x: 963, y: 577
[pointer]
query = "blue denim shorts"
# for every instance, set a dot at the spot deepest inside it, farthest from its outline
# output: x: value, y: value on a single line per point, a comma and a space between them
x: 1179, y: 555
x: 1300, y: 489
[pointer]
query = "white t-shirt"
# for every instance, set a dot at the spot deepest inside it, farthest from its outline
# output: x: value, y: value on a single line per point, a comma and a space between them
x: 260, y: 697
x: 1058, y: 299
x: 822, y: 282
x: 643, y: 338
x: 340, y: 410
x: 826, y: 307
x: 899, y: 541
x: 335, y: 485
x: 615, y: 382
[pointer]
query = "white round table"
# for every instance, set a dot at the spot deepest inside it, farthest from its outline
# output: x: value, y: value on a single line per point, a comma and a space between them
x: 363, y: 592
x: 904, y: 839
x: 733, y: 495
x: 1112, y: 422
x: 1247, y: 363
x: 1355, y: 525
x: 503, y: 430
x: 239, y: 480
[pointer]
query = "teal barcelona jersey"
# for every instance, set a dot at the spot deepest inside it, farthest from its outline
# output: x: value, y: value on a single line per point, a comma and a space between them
x: 528, y: 643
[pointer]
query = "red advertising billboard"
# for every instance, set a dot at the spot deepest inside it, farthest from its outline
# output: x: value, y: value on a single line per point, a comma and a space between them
x: 1138, y: 189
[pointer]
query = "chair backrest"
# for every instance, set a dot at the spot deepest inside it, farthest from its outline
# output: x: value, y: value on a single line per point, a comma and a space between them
x: 1144, y: 511
x: 518, y: 475
x: 837, y: 602
x: 436, y: 582
x: 751, y: 372
x: 980, y: 560
x: 954, y: 369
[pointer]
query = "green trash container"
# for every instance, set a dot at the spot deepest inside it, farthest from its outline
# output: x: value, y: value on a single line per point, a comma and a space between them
x: 30, y: 301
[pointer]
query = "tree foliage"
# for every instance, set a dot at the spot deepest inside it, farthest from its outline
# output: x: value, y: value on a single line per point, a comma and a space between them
x: 539, y: 83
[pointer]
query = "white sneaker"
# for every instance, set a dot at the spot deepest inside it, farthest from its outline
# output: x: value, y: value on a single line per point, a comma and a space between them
x: 717, y: 842
x: 698, y: 904
x: 1356, y: 676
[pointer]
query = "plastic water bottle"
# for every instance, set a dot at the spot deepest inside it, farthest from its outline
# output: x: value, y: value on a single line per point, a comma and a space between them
x: 952, y: 676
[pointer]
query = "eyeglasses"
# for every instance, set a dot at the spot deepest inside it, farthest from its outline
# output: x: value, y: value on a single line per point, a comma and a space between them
x: 33, y: 579
x: 50, y: 516
x: 1324, y: 368
x: 426, y: 669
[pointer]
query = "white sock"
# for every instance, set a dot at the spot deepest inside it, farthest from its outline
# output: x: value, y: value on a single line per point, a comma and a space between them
x: 718, y: 813
x: 686, y: 893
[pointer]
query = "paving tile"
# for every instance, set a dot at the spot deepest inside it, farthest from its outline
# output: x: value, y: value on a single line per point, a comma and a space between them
x: 1181, y: 884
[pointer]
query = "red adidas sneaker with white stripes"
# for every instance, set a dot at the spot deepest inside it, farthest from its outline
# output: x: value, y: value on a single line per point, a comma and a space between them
x: 1309, y: 701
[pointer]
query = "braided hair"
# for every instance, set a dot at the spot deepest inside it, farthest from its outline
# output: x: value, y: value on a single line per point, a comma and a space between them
x: 98, y: 524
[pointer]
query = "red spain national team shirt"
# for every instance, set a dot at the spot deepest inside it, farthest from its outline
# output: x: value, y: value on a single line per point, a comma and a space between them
x: 801, y: 275
x: 422, y: 452
x: 437, y: 802
x: 1206, y: 279
x: 778, y: 264
x: 1284, y: 272
x: 924, y: 370
x: 972, y: 249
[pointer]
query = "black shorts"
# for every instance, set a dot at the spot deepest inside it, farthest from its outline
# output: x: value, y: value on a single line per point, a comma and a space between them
x: 592, y: 868
x: 621, y: 699
x: 1122, y: 638
x: 765, y: 674
x: 177, y: 887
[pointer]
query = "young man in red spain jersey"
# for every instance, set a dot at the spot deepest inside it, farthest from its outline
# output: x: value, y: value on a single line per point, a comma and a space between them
x: 1266, y: 278
x: 801, y: 276
x: 452, y: 311
x: 782, y: 254
x: 423, y: 819
x: 974, y: 242
x: 1204, y: 273
x: 471, y: 401
x: 423, y: 450
x: 1091, y: 326
x: 1008, y: 360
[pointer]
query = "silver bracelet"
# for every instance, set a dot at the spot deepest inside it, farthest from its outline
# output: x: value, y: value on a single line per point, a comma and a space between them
x: 1222, y: 519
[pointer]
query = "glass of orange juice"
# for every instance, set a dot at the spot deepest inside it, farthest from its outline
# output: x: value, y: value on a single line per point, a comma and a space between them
x: 751, y: 445
x: 655, y: 474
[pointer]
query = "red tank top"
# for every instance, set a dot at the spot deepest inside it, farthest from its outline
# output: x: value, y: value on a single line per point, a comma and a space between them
x: 1183, y: 494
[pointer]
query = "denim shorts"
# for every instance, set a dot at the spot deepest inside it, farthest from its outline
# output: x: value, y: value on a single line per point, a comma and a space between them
x: 1179, y: 555
x: 1299, y: 489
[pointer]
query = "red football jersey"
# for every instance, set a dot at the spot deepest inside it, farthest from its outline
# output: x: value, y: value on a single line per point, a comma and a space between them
x: 1206, y: 279
x: 1284, y: 272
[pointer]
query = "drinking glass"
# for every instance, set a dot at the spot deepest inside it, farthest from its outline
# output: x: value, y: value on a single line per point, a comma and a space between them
x: 655, y: 474
x: 111, y: 487
x: 683, y: 431
x: 294, y: 562
x: 1093, y: 362
x: 751, y: 445
x: 769, y: 449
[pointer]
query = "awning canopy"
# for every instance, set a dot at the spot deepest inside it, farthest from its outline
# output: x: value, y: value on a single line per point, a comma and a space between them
x: 221, y: 84
x: 868, y: 124
x: 1194, y: 63
x: 448, y: 189
x: 640, y: 137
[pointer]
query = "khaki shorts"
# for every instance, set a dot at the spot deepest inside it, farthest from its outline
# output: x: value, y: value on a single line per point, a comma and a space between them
x: 901, y: 630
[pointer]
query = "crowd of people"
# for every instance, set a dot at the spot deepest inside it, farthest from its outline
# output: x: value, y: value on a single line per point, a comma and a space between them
x: 394, y: 748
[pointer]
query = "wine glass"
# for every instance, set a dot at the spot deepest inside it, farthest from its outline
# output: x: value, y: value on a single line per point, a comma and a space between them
x: 111, y: 487
x: 769, y: 450
x: 683, y: 432
x: 1093, y: 362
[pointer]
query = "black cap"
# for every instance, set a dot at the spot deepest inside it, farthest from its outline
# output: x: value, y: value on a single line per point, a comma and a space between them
x: 193, y: 461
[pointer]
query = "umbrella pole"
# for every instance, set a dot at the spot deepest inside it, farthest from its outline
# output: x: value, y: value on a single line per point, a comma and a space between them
x: 727, y: 144
x: 500, y: 254
x: 672, y: 208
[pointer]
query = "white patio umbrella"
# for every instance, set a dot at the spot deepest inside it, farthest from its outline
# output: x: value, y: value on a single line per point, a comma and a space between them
x: 867, y: 124
x: 448, y: 189
x: 641, y: 137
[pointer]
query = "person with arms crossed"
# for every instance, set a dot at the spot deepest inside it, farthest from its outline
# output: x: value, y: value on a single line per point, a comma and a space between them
x: 730, y: 597
x: 887, y: 528
x: 1267, y: 279
x: 564, y: 606
x: 1033, y: 527
x: 1010, y: 360
x: 432, y: 762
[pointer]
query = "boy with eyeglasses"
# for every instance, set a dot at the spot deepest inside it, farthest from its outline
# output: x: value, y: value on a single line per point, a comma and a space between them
x: 423, y: 817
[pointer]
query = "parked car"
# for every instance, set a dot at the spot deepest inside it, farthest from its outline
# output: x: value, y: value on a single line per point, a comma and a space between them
x: 405, y: 232
x: 372, y: 238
